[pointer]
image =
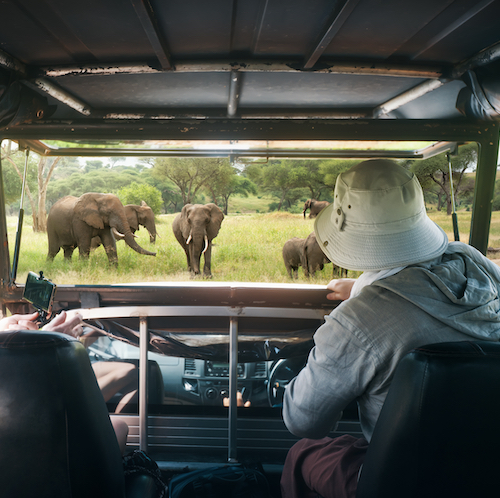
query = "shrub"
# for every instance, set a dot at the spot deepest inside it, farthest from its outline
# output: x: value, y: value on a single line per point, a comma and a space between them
x: 137, y: 192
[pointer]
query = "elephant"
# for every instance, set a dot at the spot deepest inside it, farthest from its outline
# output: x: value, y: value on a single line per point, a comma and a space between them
x: 292, y: 255
x: 195, y: 227
x: 136, y: 215
x: 73, y: 221
x: 314, y: 259
x: 314, y: 207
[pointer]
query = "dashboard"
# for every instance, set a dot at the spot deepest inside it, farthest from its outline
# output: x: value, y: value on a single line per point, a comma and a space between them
x: 190, y: 381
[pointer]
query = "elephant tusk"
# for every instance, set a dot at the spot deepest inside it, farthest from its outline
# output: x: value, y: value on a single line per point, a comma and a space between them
x: 117, y: 234
x: 206, y: 245
x: 189, y: 239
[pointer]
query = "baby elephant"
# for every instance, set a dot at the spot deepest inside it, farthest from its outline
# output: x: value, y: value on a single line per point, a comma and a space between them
x: 314, y: 259
x: 292, y: 256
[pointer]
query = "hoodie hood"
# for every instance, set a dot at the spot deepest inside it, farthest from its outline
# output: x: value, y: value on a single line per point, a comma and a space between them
x: 461, y: 289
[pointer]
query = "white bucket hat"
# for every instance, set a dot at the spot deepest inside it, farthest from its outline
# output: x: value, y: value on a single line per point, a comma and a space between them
x: 378, y: 220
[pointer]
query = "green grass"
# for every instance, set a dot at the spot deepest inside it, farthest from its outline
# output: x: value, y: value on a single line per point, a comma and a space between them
x: 248, y: 249
x: 250, y: 204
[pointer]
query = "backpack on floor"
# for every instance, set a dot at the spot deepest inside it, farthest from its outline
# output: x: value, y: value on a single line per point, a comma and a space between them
x: 228, y: 481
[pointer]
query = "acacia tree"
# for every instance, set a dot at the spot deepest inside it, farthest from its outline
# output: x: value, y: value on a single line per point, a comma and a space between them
x: 227, y: 183
x: 188, y: 174
x: 332, y: 168
x: 314, y: 177
x: 280, y: 178
x: 45, y: 168
x: 435, y: 171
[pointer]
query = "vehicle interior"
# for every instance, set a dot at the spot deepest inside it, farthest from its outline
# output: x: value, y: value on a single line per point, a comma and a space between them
x: 245, y: 80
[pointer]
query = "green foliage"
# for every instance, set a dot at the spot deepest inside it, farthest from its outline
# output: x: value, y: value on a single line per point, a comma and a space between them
x: 188, y: 174
x: 101, y: 180
x: 434, y: 174
x: 332, y: 168
x: 137, y: 192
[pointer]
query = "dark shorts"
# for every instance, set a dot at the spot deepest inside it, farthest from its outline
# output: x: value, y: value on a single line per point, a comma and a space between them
x: 326, y: 467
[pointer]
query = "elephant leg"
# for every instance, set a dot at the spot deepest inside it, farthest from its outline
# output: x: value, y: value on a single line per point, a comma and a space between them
x: 52, y: 253
x: 186, y: 250
x: 109, y: 243
x: 207, y: 270
x: 68, y: 251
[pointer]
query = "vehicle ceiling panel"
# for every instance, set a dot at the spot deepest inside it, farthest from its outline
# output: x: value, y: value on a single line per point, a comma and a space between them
x: 227, y: 59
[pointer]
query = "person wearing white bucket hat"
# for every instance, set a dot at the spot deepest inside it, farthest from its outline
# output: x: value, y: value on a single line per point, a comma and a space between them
x: 416, y: 288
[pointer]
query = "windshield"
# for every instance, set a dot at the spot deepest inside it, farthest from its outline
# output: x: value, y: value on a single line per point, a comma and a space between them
x: 264, y: 194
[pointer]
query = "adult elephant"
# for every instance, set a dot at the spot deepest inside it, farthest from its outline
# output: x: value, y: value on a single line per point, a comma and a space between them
x: 141, y: 216
x: 136, y: 216
x: 293, y: 250
x: 314, y: 207
x: 73, y: 221
x: 195, y: 227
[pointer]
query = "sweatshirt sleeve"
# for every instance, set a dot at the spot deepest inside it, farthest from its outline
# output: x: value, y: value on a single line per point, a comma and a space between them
x: 338, y: 371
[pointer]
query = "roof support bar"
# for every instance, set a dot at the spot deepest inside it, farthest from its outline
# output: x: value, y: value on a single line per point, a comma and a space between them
x: 339, y: 18
x: 234, y: 93
x: 62, y: 96
x: 405, y: 97
x: 453, y: 26
x: 149, y: 23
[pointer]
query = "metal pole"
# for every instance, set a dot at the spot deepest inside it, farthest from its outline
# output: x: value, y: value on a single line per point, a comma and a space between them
x: 17, y: 246
x: 454, y: 219
x: 233, y: 388
x: 143, y: 383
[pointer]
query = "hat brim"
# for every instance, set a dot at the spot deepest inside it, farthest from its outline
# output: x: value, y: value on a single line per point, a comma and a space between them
x: 364, y: 251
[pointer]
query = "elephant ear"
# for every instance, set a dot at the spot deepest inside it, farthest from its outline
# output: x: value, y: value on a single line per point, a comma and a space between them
x: 86, y: 209
x: 216, y: 217
x: 144, y: 214
x: 185, y: 227
x: 134, y: 221
x: 143, y: 204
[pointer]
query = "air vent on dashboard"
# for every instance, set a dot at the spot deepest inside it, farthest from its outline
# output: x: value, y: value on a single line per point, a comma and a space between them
x: 260, y: 369
x: 189, y: 366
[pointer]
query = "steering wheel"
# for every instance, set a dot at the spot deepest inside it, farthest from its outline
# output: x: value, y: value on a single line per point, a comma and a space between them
x: 282, y: 372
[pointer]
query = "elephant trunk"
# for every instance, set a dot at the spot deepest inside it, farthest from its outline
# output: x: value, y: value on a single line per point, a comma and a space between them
x: 130, y: 240
x: 121, y: 225
x: 195, y: 245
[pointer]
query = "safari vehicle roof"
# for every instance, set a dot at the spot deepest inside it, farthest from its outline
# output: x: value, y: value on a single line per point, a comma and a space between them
x: 149, y: 70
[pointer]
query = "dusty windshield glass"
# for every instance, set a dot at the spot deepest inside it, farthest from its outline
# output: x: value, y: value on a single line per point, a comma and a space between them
x: 250, y: 198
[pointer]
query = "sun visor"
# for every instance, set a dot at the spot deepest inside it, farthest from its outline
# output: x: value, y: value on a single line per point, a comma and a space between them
x: 480, y: 99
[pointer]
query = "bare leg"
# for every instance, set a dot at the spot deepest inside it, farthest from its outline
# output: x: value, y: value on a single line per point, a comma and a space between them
x: 114, y: 376
x: 126, y: 399
x: 121, y: 431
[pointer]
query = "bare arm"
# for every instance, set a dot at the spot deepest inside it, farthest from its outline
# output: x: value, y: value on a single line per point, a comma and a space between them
x: 341, y: 289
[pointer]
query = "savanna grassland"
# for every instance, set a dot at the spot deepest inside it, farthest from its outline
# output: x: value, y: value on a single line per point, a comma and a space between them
x: 247, y: 249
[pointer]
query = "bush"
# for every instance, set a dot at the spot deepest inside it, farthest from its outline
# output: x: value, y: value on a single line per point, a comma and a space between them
x: 137, y: 192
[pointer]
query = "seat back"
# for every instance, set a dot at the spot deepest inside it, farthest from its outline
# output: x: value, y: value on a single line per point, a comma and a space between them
x: 437, y: 434
x: 56, y: 437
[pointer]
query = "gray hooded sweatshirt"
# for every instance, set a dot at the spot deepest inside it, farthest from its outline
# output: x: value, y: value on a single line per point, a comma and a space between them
x: 455, y: 297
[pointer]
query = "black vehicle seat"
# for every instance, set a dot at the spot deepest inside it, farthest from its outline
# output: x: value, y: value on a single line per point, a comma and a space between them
x: 56, y: 437
x: 437, y: 434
